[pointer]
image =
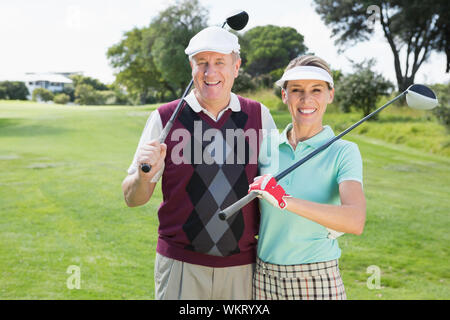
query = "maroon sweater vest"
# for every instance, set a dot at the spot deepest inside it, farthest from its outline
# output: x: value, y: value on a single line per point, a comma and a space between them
x: 209, y: 165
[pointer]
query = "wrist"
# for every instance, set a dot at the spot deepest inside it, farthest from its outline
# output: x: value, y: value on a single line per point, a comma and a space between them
x: 287, y: 200
x: 144, y: 177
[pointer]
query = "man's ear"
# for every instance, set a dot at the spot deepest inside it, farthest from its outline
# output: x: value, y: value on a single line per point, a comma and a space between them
x: 237, y: 66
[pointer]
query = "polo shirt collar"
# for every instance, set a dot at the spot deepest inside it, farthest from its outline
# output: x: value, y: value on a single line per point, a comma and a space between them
x: 192, y: 101
x: 316, y: 141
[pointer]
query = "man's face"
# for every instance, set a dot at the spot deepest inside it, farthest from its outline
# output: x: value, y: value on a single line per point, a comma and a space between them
x: 214, y: 75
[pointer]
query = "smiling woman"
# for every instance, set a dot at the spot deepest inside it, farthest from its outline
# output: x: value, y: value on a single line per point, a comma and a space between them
x: 323, y: 199
x: 307, y: 88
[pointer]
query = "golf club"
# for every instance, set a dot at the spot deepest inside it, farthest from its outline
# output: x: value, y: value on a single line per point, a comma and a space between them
x: 417, y: 97
x: 237, y: 22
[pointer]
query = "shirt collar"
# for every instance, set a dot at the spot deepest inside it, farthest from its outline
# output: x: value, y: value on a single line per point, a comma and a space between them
x: 315, y: 141
x: 192, y: 101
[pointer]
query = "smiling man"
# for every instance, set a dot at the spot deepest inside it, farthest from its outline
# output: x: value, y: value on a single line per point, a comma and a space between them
x: 198, y: 255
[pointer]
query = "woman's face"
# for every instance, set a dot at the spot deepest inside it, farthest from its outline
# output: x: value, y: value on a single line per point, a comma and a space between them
x: 307, y: 101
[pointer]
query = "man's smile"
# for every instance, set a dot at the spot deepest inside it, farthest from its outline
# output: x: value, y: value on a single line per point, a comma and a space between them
x: 306, y: 110
x: 211, y: 83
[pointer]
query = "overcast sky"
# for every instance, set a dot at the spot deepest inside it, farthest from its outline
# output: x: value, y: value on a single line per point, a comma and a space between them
x: 61, y: 36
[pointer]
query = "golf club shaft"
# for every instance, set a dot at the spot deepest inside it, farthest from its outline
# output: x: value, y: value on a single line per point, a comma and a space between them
x: 162, y: 137
x: 284, y: 173
x: 235, y: 207
x: 231, y: 210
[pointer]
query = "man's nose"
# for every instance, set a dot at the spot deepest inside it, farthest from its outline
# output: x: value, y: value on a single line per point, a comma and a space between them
x: 210, y: 70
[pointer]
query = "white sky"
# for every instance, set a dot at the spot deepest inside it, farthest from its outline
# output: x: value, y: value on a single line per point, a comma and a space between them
x: 74, y: 35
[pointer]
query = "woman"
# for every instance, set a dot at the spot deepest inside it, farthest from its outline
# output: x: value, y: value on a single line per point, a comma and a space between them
x: 297, y: 250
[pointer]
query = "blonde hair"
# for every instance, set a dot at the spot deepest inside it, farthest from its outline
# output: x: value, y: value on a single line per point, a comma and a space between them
x: 308, y: 60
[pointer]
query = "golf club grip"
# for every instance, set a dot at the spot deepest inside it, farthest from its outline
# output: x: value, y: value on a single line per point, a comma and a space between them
x: 162, y: 137
x: 235, y: 207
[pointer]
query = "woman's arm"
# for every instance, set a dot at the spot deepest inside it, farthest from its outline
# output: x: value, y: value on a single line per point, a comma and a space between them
x: 349, y: 217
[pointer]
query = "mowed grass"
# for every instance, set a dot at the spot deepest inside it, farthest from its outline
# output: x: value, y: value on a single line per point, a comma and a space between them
x: 61, y: 204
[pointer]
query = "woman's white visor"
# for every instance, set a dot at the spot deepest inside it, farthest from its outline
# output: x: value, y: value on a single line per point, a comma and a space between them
x: 305, y: 73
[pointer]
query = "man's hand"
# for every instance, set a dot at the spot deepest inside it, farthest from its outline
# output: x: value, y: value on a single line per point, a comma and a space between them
x: 270, y: 190
x: 152, y: 153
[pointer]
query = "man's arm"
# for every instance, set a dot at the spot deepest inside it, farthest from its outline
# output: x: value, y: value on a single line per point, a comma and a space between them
x: 137, y: 191
x: 138, y: 187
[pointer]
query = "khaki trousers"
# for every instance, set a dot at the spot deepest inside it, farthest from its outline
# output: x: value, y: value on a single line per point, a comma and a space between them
x: 177, y: 280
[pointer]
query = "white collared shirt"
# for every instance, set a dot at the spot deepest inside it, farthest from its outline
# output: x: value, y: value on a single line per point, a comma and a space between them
x: 154, y: 127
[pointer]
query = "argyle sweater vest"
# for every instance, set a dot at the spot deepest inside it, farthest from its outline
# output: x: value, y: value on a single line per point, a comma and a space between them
x: 209, y: 166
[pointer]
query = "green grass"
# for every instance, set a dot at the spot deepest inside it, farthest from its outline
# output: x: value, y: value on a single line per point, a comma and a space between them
x: 61, y: 204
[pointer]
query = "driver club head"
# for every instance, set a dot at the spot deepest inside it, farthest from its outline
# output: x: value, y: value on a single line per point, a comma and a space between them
x: 238, y: 20
x: 421, y: 97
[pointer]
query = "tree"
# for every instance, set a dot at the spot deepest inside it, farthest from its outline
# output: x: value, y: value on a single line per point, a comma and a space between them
x: 13, y: 90
x: 136, y: 70
x: 270, y: 47
x: 174, y: 27
x: 3, y: 93
x: 152, y: 58
x: 361, y: 89
x: 94, y: 83
x: 417, y: 26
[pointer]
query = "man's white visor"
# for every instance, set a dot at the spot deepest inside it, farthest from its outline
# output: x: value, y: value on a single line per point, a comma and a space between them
x: 305, y: 73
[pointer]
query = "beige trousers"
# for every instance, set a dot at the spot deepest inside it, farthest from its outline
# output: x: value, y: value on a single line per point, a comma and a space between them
x: 177, y: 280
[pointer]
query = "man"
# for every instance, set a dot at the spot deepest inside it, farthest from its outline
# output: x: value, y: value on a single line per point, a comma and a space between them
x: 207, y: 163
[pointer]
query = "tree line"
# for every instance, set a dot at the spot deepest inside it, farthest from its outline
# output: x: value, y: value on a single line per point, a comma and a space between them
x: 150, y: 64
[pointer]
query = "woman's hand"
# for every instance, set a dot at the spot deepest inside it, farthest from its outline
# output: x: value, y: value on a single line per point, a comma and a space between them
x: 268, y: 188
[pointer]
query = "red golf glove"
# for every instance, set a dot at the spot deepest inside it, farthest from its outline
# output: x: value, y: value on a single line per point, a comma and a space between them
x: 270, y: 190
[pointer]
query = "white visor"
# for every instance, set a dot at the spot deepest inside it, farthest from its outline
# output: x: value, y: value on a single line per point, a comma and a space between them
x: 305, y: 73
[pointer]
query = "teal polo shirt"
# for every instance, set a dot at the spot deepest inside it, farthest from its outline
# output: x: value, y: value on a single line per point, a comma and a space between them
x: 284, y: 237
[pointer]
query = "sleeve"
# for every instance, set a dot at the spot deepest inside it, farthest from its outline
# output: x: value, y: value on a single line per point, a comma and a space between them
x: 266, y: 119
x: 350, y: 164
x: 152, y: 130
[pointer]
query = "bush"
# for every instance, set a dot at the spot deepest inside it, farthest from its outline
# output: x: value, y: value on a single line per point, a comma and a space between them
x: 85, y: 94
x: 61, y: 98
x: 361, y: 89
x: 13, y: 90
x: 243, y: 82
x: 3, y: 93
x: 442, y: 111
x: 70, y: 91
x: 41, y: 94
x: 276, y: 74
x: 108, y: 97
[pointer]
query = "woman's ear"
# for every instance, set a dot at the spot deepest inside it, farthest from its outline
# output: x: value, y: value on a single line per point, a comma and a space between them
x: 284, y: 96
x: 331, y: 98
